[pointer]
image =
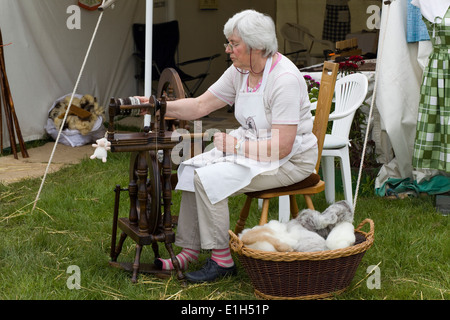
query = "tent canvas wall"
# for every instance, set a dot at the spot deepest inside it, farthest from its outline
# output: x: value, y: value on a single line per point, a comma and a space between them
x: 311, y: 14
x: 45, y: 57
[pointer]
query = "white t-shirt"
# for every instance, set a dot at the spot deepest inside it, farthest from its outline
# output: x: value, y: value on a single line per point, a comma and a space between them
x: 286, y: 99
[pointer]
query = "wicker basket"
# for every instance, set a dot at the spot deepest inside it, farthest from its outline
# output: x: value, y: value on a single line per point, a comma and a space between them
x: 303, y: 275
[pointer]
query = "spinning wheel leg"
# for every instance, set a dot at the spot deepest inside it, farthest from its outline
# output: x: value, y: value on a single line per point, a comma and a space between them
x: 175, y: 262
x: 149, y: 191
x: 136, y: 263
x: 118, y: 250
x: 155, y: 250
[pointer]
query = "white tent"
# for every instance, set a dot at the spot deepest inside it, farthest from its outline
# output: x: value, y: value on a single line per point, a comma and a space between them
x: 42, y: 65
x: 45, y: 57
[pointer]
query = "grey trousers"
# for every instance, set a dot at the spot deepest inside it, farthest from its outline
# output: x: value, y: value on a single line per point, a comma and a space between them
x: 203, y: 225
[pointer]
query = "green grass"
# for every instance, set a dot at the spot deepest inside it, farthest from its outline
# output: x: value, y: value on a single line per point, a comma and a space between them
x: 72, y: 226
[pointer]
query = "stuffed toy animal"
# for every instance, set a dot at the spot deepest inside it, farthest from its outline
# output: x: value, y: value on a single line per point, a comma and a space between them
x: 310, y: 231
x: 101, y: 149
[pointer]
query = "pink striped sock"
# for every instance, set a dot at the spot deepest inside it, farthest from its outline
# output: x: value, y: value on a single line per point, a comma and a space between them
x: 222, y: 257
x: 184, y: 257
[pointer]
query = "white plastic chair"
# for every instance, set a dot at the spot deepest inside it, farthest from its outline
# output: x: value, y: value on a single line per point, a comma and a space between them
x: 350, y: 93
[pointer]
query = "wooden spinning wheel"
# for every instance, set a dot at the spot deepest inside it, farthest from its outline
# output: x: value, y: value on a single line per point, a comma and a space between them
x: 150, y: 180
x: 170, y: 83
x: 171, y: 86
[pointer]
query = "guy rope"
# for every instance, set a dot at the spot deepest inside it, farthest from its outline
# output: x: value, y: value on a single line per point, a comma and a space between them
x: 105, y: 4
x: 380, y: 51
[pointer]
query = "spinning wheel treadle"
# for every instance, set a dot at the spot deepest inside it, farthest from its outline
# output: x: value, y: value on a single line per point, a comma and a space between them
x: 149, y: 220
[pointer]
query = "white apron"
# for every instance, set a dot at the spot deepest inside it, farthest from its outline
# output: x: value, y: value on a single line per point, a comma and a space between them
x: 223, y: 175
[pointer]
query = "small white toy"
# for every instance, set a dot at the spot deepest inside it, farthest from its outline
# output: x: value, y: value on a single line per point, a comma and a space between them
x: 101, y: 149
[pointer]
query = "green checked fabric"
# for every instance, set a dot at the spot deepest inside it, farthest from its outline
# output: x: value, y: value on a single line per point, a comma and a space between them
x: 432, y: 144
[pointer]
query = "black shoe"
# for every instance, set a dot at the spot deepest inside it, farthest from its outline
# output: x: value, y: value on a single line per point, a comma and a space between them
x: 210, y: 272
x: 158, y: 264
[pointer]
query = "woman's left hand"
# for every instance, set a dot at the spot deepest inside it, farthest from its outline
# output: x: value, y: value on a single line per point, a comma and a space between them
x: 224, y: 142
x: 143, y: 100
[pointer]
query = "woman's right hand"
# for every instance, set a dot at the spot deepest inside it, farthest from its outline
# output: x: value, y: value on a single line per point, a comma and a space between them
x: 225, y: 142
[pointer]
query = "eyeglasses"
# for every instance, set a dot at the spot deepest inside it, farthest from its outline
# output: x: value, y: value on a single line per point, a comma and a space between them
x: 232, y: 46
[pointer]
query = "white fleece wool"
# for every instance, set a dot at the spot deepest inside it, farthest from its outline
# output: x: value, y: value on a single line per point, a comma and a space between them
x: 310, y: 231
x: 341, y: 236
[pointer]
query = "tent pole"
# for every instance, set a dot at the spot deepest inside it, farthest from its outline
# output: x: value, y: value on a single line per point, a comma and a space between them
x: 10, y: 104
x: 170, y: 10
x: 10, y: 112
x: 148, y: 48
x: 8, y: 118
x: 1, y: 129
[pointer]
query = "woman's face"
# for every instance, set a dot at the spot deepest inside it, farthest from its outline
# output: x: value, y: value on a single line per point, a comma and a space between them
x: 238, y: 51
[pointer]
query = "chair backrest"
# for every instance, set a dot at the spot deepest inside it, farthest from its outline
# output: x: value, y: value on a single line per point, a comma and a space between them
x: 295, y: 34
x: 326, y: 91
x: 139, y: 37
x: 350, y: 93
x: 166, y: 37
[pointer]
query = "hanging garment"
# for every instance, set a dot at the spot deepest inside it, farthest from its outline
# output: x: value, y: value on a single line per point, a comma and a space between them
x: 223, y: 175
x: 435, y: 185
x: 416, y: 30
x: 432, y: 144
x: 432, y: 9
x: 337, y: 20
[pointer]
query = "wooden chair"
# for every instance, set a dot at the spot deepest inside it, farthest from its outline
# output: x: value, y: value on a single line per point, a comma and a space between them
x: 313, y: 184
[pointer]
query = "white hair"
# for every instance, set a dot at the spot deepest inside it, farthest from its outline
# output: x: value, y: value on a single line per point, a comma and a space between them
x: 257, y: 30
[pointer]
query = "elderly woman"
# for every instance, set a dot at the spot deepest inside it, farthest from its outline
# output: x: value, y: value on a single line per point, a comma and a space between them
x: 274, y: 146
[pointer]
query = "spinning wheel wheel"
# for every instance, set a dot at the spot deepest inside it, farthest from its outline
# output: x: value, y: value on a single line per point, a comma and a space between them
x: 171, y: 86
